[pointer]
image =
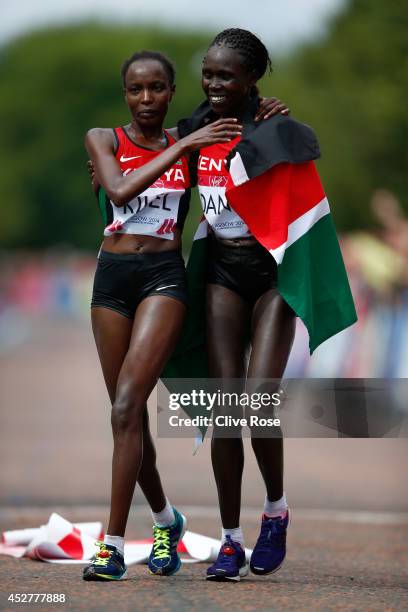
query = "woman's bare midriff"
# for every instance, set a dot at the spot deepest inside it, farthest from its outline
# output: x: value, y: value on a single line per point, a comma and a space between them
x: 137, y: 243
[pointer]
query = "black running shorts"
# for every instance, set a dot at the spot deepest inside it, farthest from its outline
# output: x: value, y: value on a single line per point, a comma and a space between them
x: 248, y: 270
x: 122, y: 281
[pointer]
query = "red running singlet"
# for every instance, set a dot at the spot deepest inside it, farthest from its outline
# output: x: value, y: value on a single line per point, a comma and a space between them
x: 159, y: 208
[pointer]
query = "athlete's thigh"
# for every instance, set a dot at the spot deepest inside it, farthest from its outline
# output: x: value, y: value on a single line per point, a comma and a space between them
x: 112, y: 332
x: 156, y: 329
x: 272, y: 333
x: 228, y: 329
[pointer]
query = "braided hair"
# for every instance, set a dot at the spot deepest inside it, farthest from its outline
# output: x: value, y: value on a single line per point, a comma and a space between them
x: 254, y: 53
x: 154, y: 55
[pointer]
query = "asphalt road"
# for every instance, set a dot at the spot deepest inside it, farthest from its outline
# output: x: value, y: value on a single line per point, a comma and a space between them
x: 348, y: 539
x: 56, y: 442
x: 331, y: 565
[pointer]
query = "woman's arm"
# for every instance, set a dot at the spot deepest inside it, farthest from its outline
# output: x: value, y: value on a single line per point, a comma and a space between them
x: 120, y: 189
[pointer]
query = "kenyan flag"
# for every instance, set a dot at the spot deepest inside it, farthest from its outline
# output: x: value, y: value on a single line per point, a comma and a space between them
x: 287, y: 211
x: 275, y: 189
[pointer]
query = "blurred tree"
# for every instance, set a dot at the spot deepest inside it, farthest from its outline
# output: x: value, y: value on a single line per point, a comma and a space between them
x: 351, y: 87
x: 56, y: 84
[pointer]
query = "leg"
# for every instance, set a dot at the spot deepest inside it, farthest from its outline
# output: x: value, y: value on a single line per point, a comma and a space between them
x: 112, y: 332
x: 156, y: 328
x: 273, y: 330
x: 228, y: 320
x: 149, y: 477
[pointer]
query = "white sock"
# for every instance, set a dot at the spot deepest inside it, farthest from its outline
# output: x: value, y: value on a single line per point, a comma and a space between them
x: 166, y: 517
x: 117, y: 541
x: 235, y: 534
x: 275, y: 508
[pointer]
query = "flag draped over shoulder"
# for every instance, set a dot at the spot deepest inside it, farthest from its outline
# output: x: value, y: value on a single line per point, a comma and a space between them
x: 275, y: 188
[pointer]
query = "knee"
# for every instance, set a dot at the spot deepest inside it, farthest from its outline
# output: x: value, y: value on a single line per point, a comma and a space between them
x: 227, y: 424
x: 263, y: 414
x: 127, y: 413
x: 263, y: 422
x: 226, y: 431
x: 266, y: 429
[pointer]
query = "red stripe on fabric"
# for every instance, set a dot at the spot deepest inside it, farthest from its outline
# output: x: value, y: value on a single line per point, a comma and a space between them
x: 212, y: 181
x: 181, y: 547
x: 165, y: 184
x: 270, y: 202
x: 163, y: 228
x: 72, y: 544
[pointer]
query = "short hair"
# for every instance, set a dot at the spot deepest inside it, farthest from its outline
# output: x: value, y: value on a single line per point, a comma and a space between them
x: 254, y: 53
x: 154, y: 55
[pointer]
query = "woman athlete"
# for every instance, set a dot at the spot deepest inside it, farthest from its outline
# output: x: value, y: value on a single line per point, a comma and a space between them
x: 139, y: 295
x: 244, y: 308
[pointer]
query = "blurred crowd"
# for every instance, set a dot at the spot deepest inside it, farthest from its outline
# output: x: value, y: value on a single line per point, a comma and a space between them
x: 55, y: 284
x: 377, y: 264
x: 58, y: 284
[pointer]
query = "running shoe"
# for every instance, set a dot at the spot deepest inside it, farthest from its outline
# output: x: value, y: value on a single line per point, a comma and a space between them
x: 164, y: 559
x: 270, y: 549
x: 106, y: 564
x: 230, y: 564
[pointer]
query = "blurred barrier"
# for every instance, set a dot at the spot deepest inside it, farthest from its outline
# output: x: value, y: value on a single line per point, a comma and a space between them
x: 60, y: 285
x: 47, y: 284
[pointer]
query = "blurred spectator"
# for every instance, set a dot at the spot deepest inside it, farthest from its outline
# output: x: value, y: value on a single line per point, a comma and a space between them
x: 58, y: 283
x: 377, y: 345
x: 394, y: 232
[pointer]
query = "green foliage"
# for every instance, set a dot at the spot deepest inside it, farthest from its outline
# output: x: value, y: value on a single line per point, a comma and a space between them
x: 352, y: 88
x: 56, y: 84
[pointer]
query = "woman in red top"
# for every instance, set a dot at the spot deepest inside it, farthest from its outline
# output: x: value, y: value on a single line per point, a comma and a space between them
x: 250, y: 328
x: 139, y: 296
